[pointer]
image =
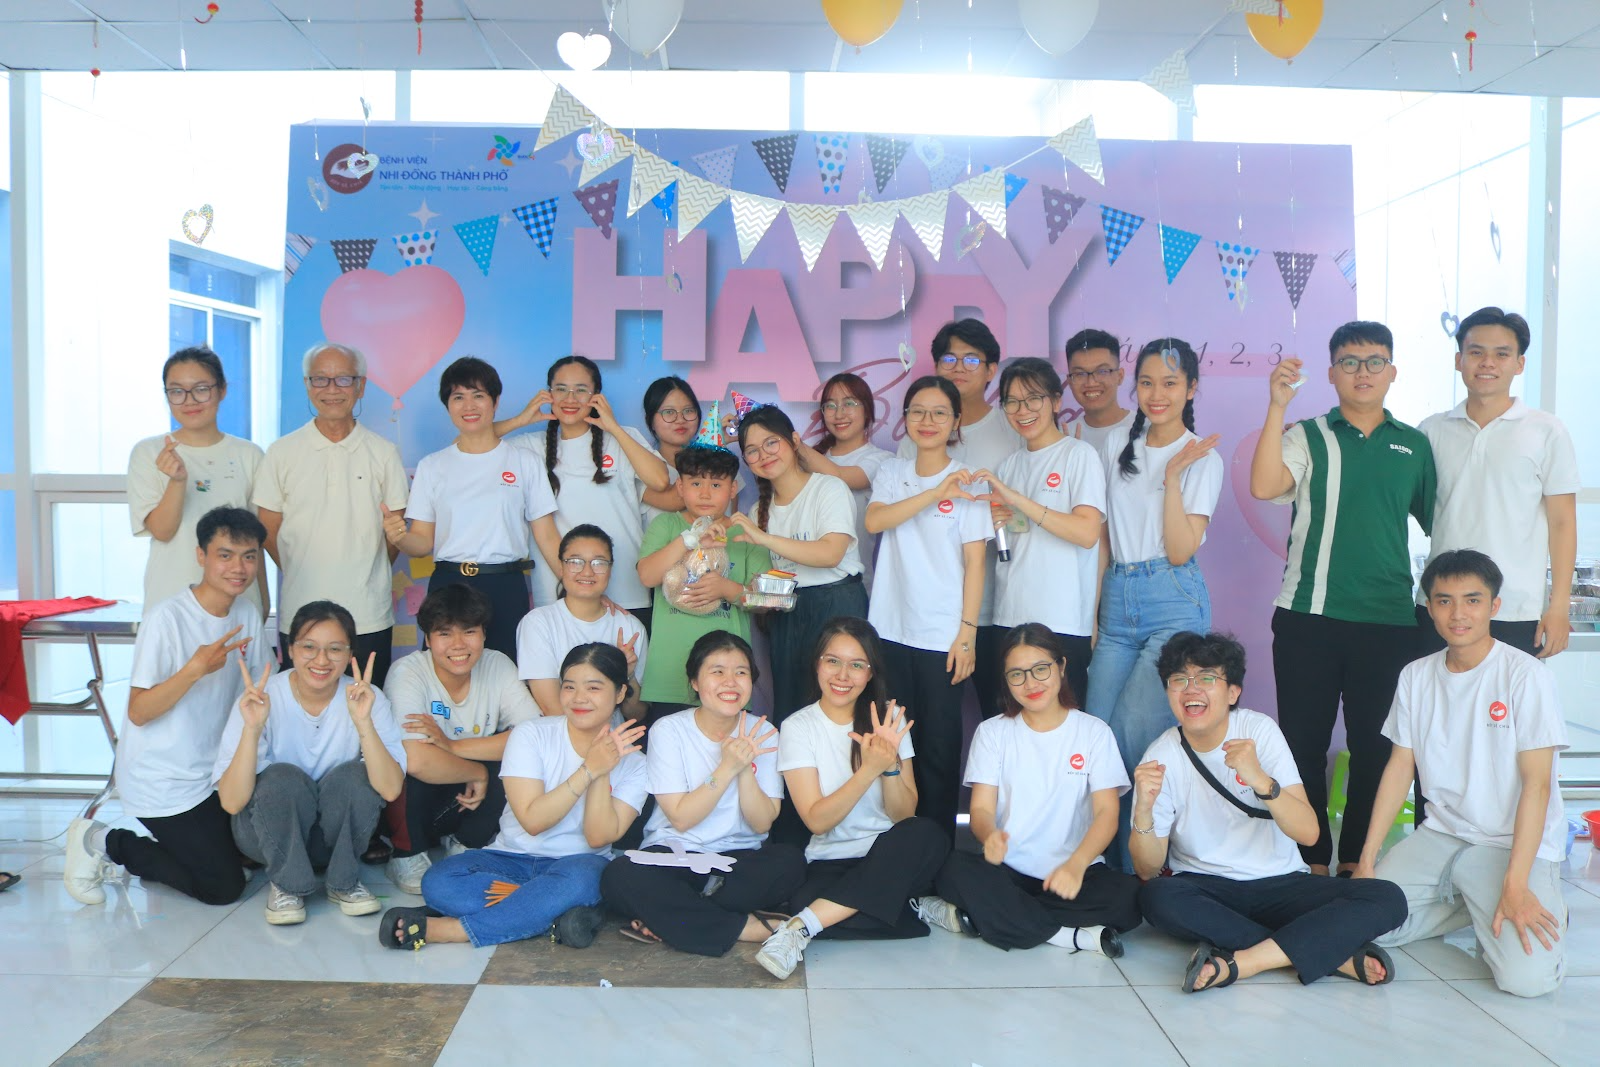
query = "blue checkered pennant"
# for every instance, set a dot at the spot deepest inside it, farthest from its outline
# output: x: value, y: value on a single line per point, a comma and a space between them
x: 539, y: 219
x: 1119, y: 227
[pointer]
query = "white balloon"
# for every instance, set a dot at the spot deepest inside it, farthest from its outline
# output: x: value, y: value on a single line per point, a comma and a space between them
x: 643, y: 25
x: 1058, y: 26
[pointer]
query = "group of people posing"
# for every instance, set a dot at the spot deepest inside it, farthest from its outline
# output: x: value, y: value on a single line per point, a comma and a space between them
x: 1115, y: 778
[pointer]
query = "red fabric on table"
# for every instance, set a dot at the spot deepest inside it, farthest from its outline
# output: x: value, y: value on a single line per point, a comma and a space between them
x: 14, y: 615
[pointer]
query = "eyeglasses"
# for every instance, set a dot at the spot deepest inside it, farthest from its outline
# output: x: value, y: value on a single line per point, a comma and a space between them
x: 1081, y: 377
x: 1374, y: 364
x: 934, y: 415
x: 850, y: 404
x: 1040, y: 671
x: 201, y: 393
x: 770, y: 446
x: 309, y: 649
x: 855, y: 666
x: 950, y: 359
x: 1034, y: 401
x: 343, y: 381
x: 679, y: 414
x: 599, y: 564
x: 1207, y: 682
x: 581, y: 392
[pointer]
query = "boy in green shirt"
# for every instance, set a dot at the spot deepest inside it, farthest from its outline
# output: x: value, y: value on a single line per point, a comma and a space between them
x: 705, y: 484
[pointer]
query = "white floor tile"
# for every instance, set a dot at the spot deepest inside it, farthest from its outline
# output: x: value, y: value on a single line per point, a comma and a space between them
x: 1457, y: 957
x: 993, y: 1027
x: 1564, y: 1025
x: 58, y: 1011
x: 627, y: 1027
x: 1154, y: 959
x: 944, y: 960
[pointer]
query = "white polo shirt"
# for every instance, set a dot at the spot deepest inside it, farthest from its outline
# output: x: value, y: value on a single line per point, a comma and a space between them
x: 1050, y: 580
x: 869, y: 457
x: 331, y: 544
x: 822, y: 507
x: 1492, y: 485
x: 480, y: 504
x: 1134, y: 504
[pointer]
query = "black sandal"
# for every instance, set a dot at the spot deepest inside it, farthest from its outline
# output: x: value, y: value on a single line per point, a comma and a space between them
x: 7, y: 880
x: 1205, y: 953
x: 410, y: 923
x: 1358, y: 960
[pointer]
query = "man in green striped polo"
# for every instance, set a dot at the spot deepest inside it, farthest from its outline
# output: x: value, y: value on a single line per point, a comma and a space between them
x: 1343, y: 625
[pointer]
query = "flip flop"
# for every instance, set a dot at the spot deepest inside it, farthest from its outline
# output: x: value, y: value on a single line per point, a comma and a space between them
x: 411, y: 922
x: 1369, y: 951
x: 1205, y: 953
x: 7, y: 880
x: 638, y: 931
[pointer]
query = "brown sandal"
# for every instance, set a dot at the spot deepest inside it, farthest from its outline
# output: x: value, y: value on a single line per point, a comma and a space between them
x: 638, y: 931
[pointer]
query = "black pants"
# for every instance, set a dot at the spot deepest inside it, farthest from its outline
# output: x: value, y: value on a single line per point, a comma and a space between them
x: 508, y: 599
x: 1079, y: 650
x: 379, y: 644
x: 918, y: 680
x: 986, y: 680
x: 425, y: 813
x: 671, y: 901
x: 1319, y: 922
x: 1318, y: 661
x: 193, y: 852
x: 900, y: 865
x: 645, y: 615
x: 1518, y: 635
x: 1010, y: 909
x: 793, y: 636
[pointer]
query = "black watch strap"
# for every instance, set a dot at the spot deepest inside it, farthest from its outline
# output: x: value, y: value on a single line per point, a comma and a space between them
x: 1273, y: 794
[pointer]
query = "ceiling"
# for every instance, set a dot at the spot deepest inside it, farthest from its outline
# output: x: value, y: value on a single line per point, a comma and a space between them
x: 1533, y: 47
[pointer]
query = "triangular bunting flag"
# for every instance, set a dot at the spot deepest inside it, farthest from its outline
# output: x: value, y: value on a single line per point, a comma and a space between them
x: 718, y: 164
x: 1060, y: 208
x: 1079, y: 146
x: 812, y: 224
x: 295, y: 247
x: 606, y: 150
x: 697, y: 198
x: 651, y: 174
x: 353, y: 253
x: 1235, y: 260
x: 666, y: 201
x: 1171, y: 79
x: 777, y: 154
x: 1176, y: 247
x: 926, y: 215
x: 478, y: 235
x: 943, y: 174
x: 1261, y: 7
x: 1119, y: 227
x: 1347, y: 266
x: 752, y: 217
x: 539, y: 219
x: 1296, y: 270
x: 600, y: 201
x: 416, y: 247
x: 1014, y: 186
x: 875, y: 222
x: 566, y: 115
x: 885, y: 154
x: 832, y: 150
x: 987, y: 195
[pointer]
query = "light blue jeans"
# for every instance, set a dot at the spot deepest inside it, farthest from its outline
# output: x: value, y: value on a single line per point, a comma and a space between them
x: 1142, y: 605
x: 459, y: 885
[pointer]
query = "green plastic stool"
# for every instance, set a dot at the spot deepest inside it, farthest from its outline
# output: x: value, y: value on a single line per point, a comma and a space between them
x: 1337, y: 795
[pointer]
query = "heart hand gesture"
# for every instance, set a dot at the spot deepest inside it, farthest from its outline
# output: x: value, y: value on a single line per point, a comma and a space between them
x: 535, y: 411
x: 168, y: 462
x: 601, y: 415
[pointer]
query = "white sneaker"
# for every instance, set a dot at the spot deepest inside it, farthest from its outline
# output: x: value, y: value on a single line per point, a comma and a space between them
x: 406, y: 872
x: 284, y: 909
x: 85, y: 865
x: 781, y: 953
x: 453, y: 846
x: 937, y: 911
x: 357, y: 900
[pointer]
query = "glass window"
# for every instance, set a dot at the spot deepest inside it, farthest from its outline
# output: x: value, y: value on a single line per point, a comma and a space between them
x: 8, y: 545
x: 189, y: 275
x: 1578, y: 374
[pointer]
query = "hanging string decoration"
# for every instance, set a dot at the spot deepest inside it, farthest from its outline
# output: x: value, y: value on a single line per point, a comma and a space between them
x: 417, y: 18
x: 211, y: 13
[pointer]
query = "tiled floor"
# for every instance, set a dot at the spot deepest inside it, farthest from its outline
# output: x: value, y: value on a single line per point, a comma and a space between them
x: 151, y: 977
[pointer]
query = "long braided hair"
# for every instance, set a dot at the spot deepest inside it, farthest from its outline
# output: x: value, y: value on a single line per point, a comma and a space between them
x: 552, y: 430
x: 771, y: 418
x: 1163, y: 348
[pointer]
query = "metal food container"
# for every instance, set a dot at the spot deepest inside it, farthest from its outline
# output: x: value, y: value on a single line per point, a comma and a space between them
x: 1585, y: 607
x: 771, y: 584
x: 758, y: 601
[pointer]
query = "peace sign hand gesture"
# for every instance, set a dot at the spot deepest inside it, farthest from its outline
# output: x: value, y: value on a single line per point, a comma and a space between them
x: 254, y: 704
x: 168, y: 462
x: 629, y: 652
x: 208, y: 659
x: 358, y: 694
x: 740, y: 748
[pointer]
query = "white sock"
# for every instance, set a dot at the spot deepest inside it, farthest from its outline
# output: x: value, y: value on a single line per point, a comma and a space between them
x: 813, y: 924
x: 95, y: 839
x: 1078, y: 938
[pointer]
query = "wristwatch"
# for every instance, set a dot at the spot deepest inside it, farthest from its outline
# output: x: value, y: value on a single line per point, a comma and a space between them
x: 1271, y: 794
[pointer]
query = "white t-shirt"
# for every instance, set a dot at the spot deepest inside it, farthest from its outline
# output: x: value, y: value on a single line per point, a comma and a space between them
x: 681, y: 757
x: 869, y: 457
x: 1206, y: 834
x: 982, y: 446
x: 1050, y: 580
x: 614, y: 507
x: 823, y: 506
x: 546, y: 634
x: 164, y: 767
x: 1097, y: 436
x: 496, y: 698
x: 541, y: 749
x: 1044, y: 782
x: 1492, y: 485
x: 331, y: 543
x: 314, y: 743
x: 220, y: 475
x: 1135, y: 502
x: 917, y: 599
x: 1468, y: 728
x: 480, y: 505
x: 808, y: 738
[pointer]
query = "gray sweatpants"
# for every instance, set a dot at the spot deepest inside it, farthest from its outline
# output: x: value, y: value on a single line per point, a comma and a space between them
x: 293, y: 824
x: 1450, y: 883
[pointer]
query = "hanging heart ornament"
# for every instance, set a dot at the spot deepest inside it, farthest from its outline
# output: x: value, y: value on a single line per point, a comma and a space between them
x: 189, y: 217
x: 1449, y: 322
x: 596, y: 146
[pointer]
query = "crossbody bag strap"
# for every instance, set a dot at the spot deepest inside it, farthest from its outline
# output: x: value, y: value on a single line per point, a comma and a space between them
x: 1205, y: 772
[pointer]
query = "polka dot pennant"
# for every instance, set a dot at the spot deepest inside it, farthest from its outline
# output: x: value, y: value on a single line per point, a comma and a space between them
x: 1014, y: 184
x: 600, y: 201
x: 1176, y: 247
x: 416, y: 247
x: 353, y: 253
x: 1119, y: 227
x: 1296, y: 270
x: 1235, y: 260
x: 777, y: 155
x: 885, y: 154
x: 1060, y: 208
x: 832, y: 149
x: 478, y: 237
x: 717, y: 164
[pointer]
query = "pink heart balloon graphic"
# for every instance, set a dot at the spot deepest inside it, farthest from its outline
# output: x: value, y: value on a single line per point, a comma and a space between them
x: 1268, y: 521
x: 403, y: 323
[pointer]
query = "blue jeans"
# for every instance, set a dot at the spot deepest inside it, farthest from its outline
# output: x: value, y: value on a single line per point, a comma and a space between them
x: 459, y: 886
x: 1142, y: 605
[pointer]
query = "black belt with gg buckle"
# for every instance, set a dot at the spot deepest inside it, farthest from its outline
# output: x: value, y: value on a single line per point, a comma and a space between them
x: 472, y: 570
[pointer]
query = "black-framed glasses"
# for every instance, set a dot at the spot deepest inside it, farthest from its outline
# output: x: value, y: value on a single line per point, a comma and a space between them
x: 1352, y: 364
x: 201, y: 393
x: 847, y: 404
x: 950, y: 359
x: 343, y: 381
x: 1081, y: 377
x: 1206, y: 680
x: 770, y: 446
x: 1033, y: 401
x: 1040, y: 671
x: 679, y: 414
x: 600, y: 565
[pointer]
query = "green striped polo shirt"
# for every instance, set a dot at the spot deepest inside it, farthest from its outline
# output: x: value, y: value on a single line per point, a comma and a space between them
x: 1348, y: 552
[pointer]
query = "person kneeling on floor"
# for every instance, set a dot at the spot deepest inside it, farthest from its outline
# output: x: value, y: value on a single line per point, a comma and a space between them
x: 1484, y: 713
x: 1218, y: 800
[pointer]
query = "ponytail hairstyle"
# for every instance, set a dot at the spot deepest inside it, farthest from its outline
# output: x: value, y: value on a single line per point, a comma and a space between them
x: 771, y: 418
x: 1178, y: 355
x: 862, y: 393
x: 552, y: 430
x: 608, y: 660
x: 876, y: 691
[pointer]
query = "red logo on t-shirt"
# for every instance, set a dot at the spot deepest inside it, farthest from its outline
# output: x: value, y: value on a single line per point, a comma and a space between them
x: 509, y: 477
x: 606, y: 462
x: 1053, y: 480
x: 1498, y: 711
x: 1076, y: 761
x: 1240, y: 780
x: 946, y: 506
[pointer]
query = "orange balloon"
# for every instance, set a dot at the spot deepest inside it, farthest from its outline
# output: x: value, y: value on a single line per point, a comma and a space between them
x: 860, y: 22
x: 1288, y: 38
